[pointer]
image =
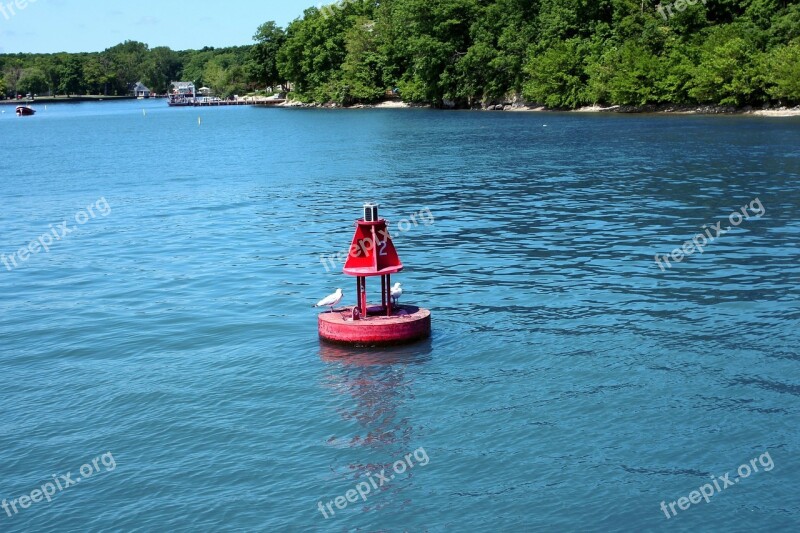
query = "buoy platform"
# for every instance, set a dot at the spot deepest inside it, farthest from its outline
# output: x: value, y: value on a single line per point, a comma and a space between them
x: 407, y: 323
x: 372, y: 254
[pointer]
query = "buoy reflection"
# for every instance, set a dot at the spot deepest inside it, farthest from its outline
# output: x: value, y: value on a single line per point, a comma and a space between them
x: 377, y: 384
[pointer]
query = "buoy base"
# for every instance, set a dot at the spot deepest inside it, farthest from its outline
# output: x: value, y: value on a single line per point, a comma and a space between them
x: 408, y: 323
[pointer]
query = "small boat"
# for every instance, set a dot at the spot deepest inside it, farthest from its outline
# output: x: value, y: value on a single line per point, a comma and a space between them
x: 23, y: 111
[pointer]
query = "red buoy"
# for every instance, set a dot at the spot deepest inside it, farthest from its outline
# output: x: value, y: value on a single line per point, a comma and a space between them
x: 371, y: 254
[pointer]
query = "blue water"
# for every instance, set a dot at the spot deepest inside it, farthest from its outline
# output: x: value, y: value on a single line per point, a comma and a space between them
x: 569, y: 385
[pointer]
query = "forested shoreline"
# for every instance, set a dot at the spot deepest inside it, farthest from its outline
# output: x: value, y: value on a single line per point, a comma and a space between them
x: 114, y: 71
x: 468, y: 53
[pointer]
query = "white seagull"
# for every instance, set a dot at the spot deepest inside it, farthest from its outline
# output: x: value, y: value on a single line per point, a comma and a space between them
x: 330, y: 301
x: 396, y: 293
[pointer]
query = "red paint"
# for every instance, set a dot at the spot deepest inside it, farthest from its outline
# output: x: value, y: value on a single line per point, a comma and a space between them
x: 372, y: 253
x: 410, y: 324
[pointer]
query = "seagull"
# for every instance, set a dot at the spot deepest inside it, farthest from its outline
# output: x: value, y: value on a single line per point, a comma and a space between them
x: 396, y: 292
x: 330, y: 301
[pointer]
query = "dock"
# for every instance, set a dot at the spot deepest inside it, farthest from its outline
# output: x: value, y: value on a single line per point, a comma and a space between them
x: 184, y: 94
x: 268, y: 102
x: 257, y: 102
x: 216, y: 103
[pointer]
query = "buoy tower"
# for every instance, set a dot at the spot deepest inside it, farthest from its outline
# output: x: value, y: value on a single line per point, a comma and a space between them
x: 372, y: 253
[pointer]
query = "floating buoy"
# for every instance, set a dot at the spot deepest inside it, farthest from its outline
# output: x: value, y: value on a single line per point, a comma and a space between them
x: 199, y: 121
x: 144, y: 112
x: 372, y: 254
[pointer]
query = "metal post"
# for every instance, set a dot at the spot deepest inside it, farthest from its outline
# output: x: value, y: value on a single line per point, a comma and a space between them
x: 364, y: 309
x: 358, y: 295
x: 389, y: 294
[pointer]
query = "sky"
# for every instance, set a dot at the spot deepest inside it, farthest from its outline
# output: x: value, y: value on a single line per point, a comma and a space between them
x: 48, y: 26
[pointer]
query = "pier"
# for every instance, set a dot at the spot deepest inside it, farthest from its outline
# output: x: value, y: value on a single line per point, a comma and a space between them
x: 184, y: 94
x: 255, y: 102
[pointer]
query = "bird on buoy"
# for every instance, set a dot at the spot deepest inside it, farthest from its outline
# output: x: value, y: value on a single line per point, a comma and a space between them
x: 331, y: 300
x: 396, y: 292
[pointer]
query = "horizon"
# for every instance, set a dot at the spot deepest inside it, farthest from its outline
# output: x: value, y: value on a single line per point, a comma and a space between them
x: 56, y: 26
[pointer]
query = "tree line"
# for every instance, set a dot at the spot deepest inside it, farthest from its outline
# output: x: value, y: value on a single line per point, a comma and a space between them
x: 560, y: 53
x: 114, y: 71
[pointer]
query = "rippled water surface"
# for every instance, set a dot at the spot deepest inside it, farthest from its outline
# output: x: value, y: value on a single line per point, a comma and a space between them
x: 570, y: 384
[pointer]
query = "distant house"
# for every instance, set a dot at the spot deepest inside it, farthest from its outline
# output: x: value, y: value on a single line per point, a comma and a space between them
x: 183, y: 93
x: 140, y: 91
x: 183, y: 89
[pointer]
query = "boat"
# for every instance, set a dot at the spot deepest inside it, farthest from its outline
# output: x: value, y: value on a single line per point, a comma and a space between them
x: 25, y: 111
x: 182, y: 95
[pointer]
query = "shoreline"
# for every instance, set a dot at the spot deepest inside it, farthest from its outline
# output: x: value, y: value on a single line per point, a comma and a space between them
x: 671, y: 109
x: 511, y: 107
x: 774, y: 111
x: 64, y: 100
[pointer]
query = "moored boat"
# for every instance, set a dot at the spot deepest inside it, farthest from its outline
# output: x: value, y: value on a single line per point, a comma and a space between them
x: 183, y: 94
x: 25, y: 111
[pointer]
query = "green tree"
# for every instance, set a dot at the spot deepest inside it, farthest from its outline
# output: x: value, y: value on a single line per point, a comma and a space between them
x: 51, y: 68
x: 677, y: 66
x: 726, y: 73
x: 315, y: 50
x: 785, y: 25
x: 98, y: 74
x: 194, y: 64
x: 630, y: 74
x: 225, y: 73
x: 215, y: 77
x: 563, y: 53
x: 71, y: 72
x: 501, y: 35
x: 559, y: 21
x: 362, y: 70
x: 781, y: 67
x: 557, y: 77
x: 430, y: 39
x: 162, y: 67
x: 263, y: 63
x: 129, y: 60
x: 12, y: 73
x: 32, y: 81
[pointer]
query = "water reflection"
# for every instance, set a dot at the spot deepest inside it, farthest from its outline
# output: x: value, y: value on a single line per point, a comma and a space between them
x: 417, y: 353
x: 377, y: 385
